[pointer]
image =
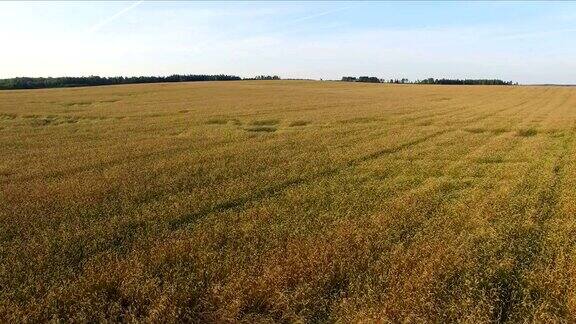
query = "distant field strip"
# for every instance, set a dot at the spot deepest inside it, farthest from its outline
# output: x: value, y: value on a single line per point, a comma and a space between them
x: 288, y: 201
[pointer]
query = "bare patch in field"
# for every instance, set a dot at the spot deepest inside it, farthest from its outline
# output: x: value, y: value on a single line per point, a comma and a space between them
x: 8, y: 116
x: 51, y: 120
x: 481, y: 130
x: 299, y: 123
x: 267, y: 129
x: 265, y: 122
x: 108, y: 101
x: 216, y: 121
x: 359, y: 120
x: 77, y: 103
x: 490, y: 160
x: 224, y: 121
x: 527, y: 132
x: 475, y: 130
x: 498, y: 131
x: 235, y: 121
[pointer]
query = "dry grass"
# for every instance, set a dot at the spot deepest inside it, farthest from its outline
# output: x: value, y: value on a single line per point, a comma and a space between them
x: 179, y: 202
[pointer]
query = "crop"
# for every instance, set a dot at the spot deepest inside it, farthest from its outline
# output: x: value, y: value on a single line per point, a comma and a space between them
x: 288, y: 201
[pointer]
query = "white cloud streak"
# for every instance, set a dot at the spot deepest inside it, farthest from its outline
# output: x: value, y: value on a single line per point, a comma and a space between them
x: 316, y: 15
x: 115, y: 16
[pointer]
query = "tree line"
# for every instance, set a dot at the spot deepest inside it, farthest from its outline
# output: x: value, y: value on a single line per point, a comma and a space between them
x: 264, y: 77
x: 429, y: 81
x: 61, y: 82
x: 466, y: 81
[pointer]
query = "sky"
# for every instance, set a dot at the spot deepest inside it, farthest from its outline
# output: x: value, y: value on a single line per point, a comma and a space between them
x: 527, y: 42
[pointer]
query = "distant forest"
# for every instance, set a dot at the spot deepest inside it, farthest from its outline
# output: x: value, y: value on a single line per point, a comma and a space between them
x: 61, y: 82
x: 430, y: 81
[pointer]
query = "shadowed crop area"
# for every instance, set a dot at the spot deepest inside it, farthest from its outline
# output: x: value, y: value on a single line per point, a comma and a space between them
x: 283, y: 201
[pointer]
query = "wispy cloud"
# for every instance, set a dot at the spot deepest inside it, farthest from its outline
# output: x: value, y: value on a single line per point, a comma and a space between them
x: 316, y: 15
x: 115, y: 16
x: 287, y: 27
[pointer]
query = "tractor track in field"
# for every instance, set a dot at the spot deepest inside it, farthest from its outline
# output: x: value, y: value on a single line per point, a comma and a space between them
x: 276, y: 189
x: 508, y: 295
x: 272, y: 191
x: 461, y: 111
x: 122, y: 161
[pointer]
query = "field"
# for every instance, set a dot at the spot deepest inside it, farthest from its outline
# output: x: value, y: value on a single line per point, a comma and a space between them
x: 282, y: 201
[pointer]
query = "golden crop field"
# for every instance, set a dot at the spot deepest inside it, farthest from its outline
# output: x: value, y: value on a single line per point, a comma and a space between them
x: 283, y: 201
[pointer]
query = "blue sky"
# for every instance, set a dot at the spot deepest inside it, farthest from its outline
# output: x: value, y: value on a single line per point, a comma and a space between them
x: 528, y: 42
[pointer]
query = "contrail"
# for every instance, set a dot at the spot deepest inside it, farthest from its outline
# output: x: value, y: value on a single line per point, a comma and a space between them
x: 324, y: 13
x: 115, y: 16
x: 298, y: 20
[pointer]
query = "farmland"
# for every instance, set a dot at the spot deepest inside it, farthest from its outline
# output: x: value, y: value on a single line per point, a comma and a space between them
x: 290, y: 201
